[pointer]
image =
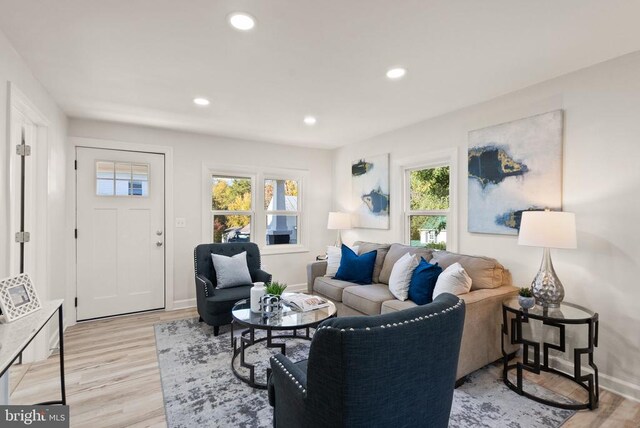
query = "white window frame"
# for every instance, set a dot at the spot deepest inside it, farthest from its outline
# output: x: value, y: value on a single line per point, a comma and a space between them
x: 297, y: 213
x: 433, y: 160
x: 258, y: 213
x: 251, y: 213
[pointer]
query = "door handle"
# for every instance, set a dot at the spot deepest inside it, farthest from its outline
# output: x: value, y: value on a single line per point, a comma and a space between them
x: 159, y: 244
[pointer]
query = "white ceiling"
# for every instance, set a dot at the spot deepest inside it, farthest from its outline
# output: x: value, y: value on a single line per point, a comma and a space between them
x: 144, y: 61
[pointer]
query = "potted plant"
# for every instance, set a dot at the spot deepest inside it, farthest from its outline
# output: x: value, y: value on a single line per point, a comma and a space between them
x: 525, y: 298
x: 271, y: 302
x: 275, y: 288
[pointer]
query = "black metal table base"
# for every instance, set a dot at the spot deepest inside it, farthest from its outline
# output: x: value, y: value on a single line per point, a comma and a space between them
x: 512, y: 328
x: 247, y: 339
x: 63, y: 394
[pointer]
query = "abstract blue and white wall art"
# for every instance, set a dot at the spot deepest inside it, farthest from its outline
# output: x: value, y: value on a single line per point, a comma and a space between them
x: 514, y: 167
x: 370, y: 187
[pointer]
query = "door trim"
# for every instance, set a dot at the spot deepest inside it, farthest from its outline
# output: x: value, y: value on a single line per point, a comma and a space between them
x: 95, y: 143
x: 38, y: 251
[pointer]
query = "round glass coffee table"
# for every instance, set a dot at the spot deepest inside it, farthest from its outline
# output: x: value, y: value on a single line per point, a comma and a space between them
x: 287, y: 321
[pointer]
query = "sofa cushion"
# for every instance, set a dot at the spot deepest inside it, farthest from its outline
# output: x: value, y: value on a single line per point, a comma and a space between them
x: 401, y: 275
x: 423, y: 282
x: 355, y: 268
x: 382, y: 249
x: 395, y: 252
x: 334, y: 255
x: 485, y: 272
x: 366, y: 298
x: 331, y: 288
x: 396, y: 305
x: 454, y: 280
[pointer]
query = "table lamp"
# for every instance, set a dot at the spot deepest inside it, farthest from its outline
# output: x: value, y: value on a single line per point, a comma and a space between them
x: 339, y: 221
x: 547, y: 229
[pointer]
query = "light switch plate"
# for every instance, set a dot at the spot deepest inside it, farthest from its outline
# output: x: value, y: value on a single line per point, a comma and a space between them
x: 181, y: 222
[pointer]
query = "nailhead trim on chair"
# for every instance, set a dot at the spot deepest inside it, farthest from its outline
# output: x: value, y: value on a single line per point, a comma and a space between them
x: 420, y: 318
x: 304, y: 391
x: 204, y: 284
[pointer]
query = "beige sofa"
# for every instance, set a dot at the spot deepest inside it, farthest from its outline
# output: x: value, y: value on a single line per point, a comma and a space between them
x: 491, y: 285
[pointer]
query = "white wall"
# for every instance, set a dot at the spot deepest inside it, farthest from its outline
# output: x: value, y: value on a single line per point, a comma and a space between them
x: 190, y: 151
x: 13, y: 69
x: 601, y: 185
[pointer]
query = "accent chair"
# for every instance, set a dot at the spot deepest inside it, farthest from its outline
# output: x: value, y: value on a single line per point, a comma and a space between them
x: 391, y: 370
x: 215, y: 304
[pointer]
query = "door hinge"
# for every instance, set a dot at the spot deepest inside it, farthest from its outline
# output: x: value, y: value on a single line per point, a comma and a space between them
x: 75, y: 165
x: 75, y: 233
x: 23, y: 150
x: 23, y: 237
x: 76, y: 302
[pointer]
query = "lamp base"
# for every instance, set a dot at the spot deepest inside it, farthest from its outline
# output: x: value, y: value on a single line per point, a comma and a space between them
x: 546, y: 286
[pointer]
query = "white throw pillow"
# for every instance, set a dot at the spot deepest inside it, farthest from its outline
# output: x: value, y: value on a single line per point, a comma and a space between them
x: 401, y: 274
x: 334, y: 255
x: 231, y: 271
x: 454, y: 280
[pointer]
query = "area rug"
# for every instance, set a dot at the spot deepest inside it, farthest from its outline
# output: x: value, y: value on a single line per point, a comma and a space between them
x: 200, y: 389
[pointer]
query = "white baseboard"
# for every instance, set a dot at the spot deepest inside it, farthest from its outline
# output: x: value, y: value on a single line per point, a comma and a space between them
x: 184, y: 304
x: 297, y: 288
x: 191, y: 303
x: 610, y: 383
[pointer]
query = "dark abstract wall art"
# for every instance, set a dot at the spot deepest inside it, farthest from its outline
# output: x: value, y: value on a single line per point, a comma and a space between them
x: 514, y: 167
x: 370, y: 190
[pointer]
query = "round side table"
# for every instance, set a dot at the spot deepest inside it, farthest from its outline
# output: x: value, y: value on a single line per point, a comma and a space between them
x: 513, y: 318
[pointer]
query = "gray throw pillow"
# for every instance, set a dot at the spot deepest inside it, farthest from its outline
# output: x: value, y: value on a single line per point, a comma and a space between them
x: 231, y: 271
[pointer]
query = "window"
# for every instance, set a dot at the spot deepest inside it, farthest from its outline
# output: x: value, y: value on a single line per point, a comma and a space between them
x: 282, y: 211
x: 427, y: 206
x: 122, y: 179
x: 231, y: 208
x: 261, y: 206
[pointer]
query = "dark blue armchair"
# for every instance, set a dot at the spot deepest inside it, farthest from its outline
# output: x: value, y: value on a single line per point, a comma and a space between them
x: 392, y: 370
x: 215, y: 304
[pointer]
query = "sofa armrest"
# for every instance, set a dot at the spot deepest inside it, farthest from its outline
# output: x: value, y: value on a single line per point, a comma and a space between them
x: 261, y: 276
x: 206, y: 285
x: 315, y: 270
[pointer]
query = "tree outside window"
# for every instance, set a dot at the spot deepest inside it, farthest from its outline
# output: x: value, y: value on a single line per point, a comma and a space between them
x: 427, y: 210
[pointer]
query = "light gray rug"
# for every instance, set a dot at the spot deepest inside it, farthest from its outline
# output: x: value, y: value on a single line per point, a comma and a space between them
x: 200, y: 389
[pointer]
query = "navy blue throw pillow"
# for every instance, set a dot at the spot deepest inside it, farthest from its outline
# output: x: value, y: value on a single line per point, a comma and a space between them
x: 423, y: 282
x: 355, y: 268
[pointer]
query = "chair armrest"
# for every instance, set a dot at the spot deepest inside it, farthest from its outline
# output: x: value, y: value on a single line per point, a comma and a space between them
x: 287, y: 384
x: 261, y: 276
x: 206, y: 284
x: 315, y: 270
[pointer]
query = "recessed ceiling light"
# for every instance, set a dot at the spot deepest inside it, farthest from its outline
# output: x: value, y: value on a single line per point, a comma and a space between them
x: 396, y: 73
x: 310, y: 120
x: 201, y: 101
x: 241, y: 21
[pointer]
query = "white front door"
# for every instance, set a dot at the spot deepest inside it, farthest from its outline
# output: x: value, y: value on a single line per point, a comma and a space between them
x: 120, y: 232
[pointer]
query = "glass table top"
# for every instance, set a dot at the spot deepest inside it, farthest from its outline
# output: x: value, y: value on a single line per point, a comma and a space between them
x: 566, y: 311
x: 288, y: 318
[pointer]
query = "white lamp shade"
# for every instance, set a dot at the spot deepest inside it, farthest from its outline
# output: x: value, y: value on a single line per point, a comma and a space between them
x: 548, y: 229
x: 339, y: 221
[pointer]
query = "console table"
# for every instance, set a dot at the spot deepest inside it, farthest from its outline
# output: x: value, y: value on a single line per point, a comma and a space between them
x: 17, y: 335
x: 560, y: 318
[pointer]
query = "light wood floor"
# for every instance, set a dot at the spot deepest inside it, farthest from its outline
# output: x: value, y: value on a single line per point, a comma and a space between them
x: 113, y: 378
